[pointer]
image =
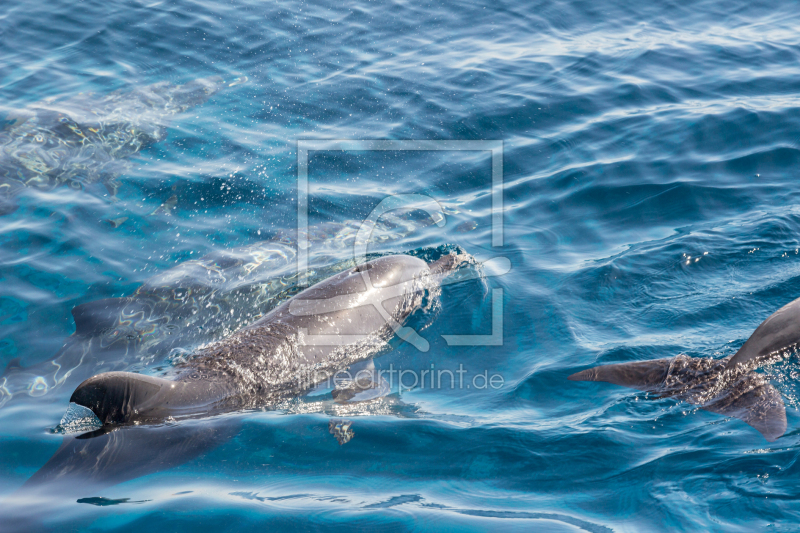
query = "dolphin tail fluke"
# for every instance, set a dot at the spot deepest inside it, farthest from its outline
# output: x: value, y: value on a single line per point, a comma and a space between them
x: 641, y: 375
x: 761, y: 408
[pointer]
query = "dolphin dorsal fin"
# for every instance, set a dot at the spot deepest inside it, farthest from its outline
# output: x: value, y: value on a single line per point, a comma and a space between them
x: 93, y: 318
x: 780, y: 331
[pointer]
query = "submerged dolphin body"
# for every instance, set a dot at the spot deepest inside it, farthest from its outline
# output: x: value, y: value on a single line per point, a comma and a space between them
x: 89, y: 138
x: 193, y: 303
x: 337, y: 323
x: 729, y: 386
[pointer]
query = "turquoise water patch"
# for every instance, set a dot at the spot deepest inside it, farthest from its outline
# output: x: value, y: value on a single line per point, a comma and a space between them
x: 650, y: 201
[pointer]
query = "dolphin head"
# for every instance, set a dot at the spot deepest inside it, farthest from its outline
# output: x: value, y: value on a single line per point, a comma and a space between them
x: 360, y: 300
x: 116, y: 397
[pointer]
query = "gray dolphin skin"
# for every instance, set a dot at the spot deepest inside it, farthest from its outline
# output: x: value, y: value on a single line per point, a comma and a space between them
x: 336, y: 323
x: 196, y: 302
x: 341, y: 322
x: 89, y: 138
x: 729, y: 386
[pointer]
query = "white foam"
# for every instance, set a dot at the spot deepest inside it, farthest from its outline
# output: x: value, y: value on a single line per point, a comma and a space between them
x: 78, y: 419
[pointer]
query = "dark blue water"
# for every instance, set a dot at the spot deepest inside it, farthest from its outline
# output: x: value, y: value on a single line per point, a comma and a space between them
x: 651, y: 171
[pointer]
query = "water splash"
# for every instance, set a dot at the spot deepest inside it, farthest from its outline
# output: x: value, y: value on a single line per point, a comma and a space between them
x: 78, y: 419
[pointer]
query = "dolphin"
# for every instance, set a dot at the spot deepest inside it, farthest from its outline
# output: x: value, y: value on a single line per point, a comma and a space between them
x: 336, y: 323
x: 729, y: 386
x: 89, y: 138
x: 339, y: 323
x: 193, y: 303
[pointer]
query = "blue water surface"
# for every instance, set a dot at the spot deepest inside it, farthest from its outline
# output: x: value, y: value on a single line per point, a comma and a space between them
x: 651, y: 175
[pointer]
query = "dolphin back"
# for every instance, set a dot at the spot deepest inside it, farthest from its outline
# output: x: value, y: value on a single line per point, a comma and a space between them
x: 340, y: 321
x: 778, y: 332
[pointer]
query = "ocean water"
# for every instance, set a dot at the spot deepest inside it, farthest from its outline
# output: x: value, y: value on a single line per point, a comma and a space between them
x: 651, y: 208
